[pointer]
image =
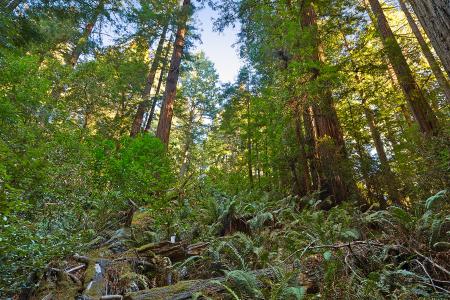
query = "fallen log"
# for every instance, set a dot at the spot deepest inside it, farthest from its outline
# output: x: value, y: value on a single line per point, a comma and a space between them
x: 186, y: 289
x: 175, y: 251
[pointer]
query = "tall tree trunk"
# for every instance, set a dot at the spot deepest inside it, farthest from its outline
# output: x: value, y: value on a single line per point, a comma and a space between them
x: 440, y: 77
x: 145, y: 103
x: 165, y: 119
x: 335, y: 181
x: 388, y: 176
x: 421, y: 110
x: 434, y: 15
x: 82, y: 42
x: 151, y: 114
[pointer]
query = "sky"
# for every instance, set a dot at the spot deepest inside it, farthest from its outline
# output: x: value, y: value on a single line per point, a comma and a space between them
x: 218, y: 47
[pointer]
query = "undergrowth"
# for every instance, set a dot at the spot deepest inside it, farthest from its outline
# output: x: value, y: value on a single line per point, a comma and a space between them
x: 342, y: 253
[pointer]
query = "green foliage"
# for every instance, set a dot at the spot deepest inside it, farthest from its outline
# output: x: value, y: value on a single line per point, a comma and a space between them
x: 253, y: 165
x: 136, y: 169
x: 244, y: 284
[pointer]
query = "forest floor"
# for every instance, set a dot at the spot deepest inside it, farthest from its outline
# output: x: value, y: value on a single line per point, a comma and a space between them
x: 277, y: 253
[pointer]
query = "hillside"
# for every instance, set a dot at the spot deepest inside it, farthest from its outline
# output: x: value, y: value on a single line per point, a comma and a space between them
x: 129, y: 170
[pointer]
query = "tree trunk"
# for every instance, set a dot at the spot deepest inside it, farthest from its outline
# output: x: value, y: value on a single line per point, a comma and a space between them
x: 332, y: 157
x: 388, y: 176
x: 440, y: 77
x: 145, y: 103
x: 421, y: 110
x: 165, y: 119
x: 82, y: 42
x: 151, y: 114
x: 434, y: 15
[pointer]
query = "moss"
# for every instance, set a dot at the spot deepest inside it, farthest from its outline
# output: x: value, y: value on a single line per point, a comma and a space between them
x: 142, y: 219
x: 162, y: 293
x: 89, y: 274
x: 146, y: 249
x: 65, y: 288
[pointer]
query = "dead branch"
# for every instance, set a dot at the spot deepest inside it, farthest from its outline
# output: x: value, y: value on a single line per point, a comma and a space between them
x: 74, y: 269
x: 433, y: 263
x: 344, y: 245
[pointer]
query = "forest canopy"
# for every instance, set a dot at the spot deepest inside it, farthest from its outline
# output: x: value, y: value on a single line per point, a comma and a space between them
x: 128, y: 170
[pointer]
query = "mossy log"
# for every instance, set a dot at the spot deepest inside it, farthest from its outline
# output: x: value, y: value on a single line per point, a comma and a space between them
x: 175, y: 251
x: 186, y: 289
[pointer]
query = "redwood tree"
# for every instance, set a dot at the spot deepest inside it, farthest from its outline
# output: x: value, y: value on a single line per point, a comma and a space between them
x: 419, y: 106
x: 151, y: 114
x: 331, y: 155
x: 440, y: 77
x: 165, y: 119
x: 434, y: 15
x: 83, y: 40
x: 145, y: 103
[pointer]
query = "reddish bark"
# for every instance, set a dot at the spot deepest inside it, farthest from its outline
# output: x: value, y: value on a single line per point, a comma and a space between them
x: 165, y: 119
x: 145, y: 103
x: 421, y: 110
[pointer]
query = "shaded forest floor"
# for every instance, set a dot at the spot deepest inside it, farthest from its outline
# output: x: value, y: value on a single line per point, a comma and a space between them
x: 240, y: 248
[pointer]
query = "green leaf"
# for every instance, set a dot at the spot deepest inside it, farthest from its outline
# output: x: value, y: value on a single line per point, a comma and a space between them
x: 430, y: 201
x: 294, y: 293
x: 327, y: 255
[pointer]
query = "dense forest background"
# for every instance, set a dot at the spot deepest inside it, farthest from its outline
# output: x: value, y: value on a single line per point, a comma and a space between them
x: 127, y: 167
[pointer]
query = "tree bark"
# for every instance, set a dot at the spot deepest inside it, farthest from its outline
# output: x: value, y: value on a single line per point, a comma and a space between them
x: 335, y: 182
x: 151, y: 114
x: 440, y: 77
x: 145, y: 103
x: 165, y: 119
x: 421, y: 110
x: 82, y: 42
x: 434, y: 15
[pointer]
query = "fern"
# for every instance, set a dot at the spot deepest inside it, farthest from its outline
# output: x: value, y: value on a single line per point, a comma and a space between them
x: 402, y: 217
x: 235, y: 253
x: 245, y: 283
x: 433, y: 199
x: 227, y: 288
x: 293, y: 293
x: 258, y: 221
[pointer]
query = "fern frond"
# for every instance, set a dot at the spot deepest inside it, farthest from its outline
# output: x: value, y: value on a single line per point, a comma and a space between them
x: 433, y: 199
